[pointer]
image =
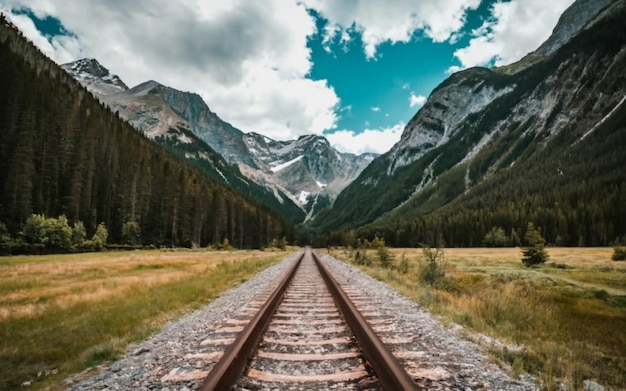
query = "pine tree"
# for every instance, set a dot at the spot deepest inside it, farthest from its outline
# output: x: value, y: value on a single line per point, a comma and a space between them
x: 534, y: 253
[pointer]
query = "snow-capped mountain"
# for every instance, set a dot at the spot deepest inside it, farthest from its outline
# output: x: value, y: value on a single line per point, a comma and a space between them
x: 307, y: 172
x: 308, y: 168
x: 95, y: 77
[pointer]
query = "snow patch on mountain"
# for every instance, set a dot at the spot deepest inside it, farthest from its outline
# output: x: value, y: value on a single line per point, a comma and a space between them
x: 584, y: 136
x: 282, y: 166
x: 304, y: 197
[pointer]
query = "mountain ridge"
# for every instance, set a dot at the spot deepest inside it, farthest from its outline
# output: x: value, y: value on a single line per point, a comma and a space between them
x: 156, y: 109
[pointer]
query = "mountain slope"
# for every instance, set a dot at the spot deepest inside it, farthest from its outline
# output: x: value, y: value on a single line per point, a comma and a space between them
x: 167, y: 115
x: 457, y: 146
x: 62, y: 152
x: 183, y: 121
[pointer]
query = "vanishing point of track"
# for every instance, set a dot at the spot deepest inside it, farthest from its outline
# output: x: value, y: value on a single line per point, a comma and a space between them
x: 307, y: 334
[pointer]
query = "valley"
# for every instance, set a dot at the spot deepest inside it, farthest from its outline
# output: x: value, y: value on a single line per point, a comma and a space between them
x: 135, y: 221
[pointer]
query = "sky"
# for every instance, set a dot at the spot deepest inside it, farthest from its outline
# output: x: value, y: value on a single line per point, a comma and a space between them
x: 355, y: 71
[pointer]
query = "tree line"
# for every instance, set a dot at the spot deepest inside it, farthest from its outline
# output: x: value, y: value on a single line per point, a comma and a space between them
x: 62, y: 153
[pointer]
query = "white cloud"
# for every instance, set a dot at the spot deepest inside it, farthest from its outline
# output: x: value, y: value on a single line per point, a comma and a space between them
x: 248, y: 60
x: 61, y: 48
x: 416, y: 100
x: 375, y: 109
x: 370, y: 140
x: 514, y: 29
x: 397, y: 21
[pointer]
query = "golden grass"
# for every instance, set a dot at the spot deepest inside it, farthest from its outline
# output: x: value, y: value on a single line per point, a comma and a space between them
x: 568, y: 316
x: 62, y: 313
x: 32, y: 285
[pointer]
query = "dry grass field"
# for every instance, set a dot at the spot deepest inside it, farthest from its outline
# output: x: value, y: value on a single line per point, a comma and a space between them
x: 60, y: 314
x: 563, y: 322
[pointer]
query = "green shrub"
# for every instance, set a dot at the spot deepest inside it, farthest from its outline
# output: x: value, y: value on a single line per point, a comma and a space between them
x: 99, y: 238
x: 619, y: 253
x: 404, y: 265
x: 385, y: 257
x: 496, y: 237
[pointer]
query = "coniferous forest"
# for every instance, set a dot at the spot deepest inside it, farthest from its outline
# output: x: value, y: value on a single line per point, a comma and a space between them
x: 62, y: 153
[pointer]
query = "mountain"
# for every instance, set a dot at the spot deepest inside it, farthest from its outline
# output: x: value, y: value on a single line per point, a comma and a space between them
x: 95, y: 77
x: 257, y: 165
x: 308, y: 167
x: 183, y: 123
x: 504, y: 146
x: 62, y: 152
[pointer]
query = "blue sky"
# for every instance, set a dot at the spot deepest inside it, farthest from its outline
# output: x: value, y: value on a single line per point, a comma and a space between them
x: 355, y: 71
x: 376, y: 93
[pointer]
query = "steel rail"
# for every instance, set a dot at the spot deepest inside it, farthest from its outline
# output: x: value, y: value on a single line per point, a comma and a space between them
x: 390, y: 373
x: 230, y: 367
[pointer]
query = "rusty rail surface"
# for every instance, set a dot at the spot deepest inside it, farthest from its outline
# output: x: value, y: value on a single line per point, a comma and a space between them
x: 389, y: 371
x: 230, y: 367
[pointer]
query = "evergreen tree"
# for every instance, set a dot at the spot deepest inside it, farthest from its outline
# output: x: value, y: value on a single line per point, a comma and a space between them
x: 534, y: 253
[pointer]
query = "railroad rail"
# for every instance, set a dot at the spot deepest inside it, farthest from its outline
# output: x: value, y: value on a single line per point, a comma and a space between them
x: 308, y: 324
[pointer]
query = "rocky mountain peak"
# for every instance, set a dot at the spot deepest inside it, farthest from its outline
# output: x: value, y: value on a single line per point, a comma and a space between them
x: 89, y: 65
x: 94, y: 76
x: 570, y: 23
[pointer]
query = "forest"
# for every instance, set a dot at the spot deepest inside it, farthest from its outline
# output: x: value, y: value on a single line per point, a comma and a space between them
x: 62, y: 153
x: 575, y: 199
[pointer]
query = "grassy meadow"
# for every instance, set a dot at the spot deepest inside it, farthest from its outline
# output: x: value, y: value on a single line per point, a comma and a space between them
x: 60, y: 314
x: 563, y: 322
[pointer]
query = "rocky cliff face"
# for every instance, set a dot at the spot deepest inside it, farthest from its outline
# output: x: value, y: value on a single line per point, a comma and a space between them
x: 442, y: 115
x: 294, y: 172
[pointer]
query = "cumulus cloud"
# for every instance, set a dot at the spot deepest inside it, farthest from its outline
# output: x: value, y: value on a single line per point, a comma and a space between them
x: 371, y: 140
x: 416, y: 100
x: 514, y: 29
x: 397, y: 21
x: 375, y: 109
x: 248, y: 60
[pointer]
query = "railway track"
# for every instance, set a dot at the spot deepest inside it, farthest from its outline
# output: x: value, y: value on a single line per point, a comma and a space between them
x: 305, y: 344
x: 304, y: 333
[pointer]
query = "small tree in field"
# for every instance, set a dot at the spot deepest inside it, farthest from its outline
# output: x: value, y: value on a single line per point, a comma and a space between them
x: 433, y: 265
x: 534, y: 253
